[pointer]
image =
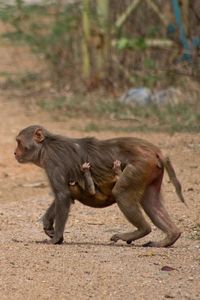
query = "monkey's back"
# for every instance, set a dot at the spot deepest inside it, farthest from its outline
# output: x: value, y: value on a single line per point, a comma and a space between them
x: 102, y: 153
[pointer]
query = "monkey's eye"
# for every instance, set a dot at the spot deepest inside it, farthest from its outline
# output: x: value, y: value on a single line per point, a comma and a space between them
x: 25, y: 148
x: 21, y: 147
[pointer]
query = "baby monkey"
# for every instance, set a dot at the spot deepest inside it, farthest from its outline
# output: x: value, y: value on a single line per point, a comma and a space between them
x: 88, y: 180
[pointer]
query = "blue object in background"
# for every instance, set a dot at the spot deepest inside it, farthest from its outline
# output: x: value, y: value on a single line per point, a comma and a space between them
x: 140, y: 96
x: 186, y: 44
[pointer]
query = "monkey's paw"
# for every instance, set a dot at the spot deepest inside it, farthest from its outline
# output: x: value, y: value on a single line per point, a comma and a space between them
x: 117, y: 164
x: 49, y: 232
x: 57, y: 241
x: 85, y: 166
x: 117, y: 237
x: 149, y: 244
x: 117, y: 168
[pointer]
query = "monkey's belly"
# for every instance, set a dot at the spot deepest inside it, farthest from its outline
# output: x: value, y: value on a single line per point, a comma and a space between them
x: 97, y: 200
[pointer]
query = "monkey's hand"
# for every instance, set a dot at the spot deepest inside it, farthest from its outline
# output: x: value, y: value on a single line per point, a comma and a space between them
x: 85, y: 167
x: 48, y: 227
x: 117, y: 167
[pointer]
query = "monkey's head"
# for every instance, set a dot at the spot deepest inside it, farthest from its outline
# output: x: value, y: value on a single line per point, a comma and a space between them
x: 29, y: 143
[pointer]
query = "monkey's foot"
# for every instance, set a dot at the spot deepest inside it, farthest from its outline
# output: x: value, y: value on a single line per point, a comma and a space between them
x: 167, y: 242
x: 57, y: 241
x: 149, y: 244
x: 127, y: 237
x: 154, y: 244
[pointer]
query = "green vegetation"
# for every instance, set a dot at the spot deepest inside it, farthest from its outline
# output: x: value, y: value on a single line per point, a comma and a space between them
x: 49, y: 32
x: 88, y: 45
x: 80, y: 41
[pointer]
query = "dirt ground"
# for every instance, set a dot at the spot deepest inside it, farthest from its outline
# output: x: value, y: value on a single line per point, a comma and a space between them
x: 88, y: 265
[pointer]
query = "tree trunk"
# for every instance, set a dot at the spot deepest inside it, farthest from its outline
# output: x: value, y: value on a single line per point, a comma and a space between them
x: 86, y: 38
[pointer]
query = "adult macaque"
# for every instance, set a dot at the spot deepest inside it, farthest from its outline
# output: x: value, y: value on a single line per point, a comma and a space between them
x: 136, y: 189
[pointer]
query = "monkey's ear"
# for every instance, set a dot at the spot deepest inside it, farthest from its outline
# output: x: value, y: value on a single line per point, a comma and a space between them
x: 39, y: 135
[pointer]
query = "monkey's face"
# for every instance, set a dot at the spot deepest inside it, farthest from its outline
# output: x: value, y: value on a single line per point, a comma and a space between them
x: 29, y: 142
x: 25, y: 152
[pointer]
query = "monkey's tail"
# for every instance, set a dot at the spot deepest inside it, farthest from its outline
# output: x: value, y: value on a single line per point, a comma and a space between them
x: 172, y: 176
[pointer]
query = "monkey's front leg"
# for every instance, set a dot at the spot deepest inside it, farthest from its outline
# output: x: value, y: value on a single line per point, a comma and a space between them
x: 62, y: 206
x: 48, y: 220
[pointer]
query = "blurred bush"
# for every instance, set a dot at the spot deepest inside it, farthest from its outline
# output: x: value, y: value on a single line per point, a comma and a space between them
x: 110, y: 44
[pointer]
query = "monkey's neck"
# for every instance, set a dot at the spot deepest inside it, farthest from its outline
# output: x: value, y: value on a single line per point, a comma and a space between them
x: 38, y: 159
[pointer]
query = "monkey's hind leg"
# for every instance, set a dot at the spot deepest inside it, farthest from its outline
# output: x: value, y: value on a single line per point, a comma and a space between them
x: 128, y: 192
x: 154, y: 208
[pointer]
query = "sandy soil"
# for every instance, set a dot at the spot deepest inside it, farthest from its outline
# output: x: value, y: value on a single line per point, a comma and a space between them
x: 88, y: 265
